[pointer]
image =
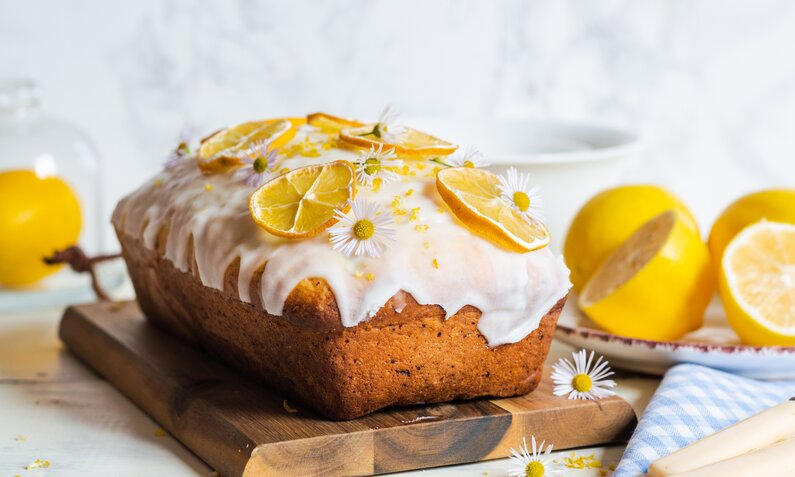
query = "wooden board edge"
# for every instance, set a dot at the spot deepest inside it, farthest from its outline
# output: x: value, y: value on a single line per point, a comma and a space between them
x: 101, y: 352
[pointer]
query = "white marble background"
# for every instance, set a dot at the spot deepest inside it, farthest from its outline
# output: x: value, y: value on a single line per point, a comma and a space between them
x: 711, y: 83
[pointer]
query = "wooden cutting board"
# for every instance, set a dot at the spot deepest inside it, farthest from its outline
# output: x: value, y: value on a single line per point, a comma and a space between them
x: 240, y: 428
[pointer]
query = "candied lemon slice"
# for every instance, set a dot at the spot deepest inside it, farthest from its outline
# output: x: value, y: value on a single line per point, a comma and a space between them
x: 409, y: 143
x: 331, y: 124
x: 302, y: 202
x: 474, y: 196
x: 757, y: 284
x: 222, y: 150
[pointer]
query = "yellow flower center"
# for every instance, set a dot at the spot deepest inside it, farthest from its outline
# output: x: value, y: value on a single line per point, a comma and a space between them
x: 521, y: 200
x: 582, y: 383
x: 372, y: 166
x: 363, y: 229
x: 534, y: 469
x: 260, y: 164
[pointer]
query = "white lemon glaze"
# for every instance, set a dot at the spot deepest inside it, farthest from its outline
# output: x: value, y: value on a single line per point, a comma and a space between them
x: 513, y: 291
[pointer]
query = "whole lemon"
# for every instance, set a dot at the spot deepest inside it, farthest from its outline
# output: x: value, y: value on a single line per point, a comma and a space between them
x: 774, y: 205
x: 608, y: 219
x: 37, y: 217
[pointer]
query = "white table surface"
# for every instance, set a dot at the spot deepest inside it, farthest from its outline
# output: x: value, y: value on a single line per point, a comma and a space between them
x: 52, y: 407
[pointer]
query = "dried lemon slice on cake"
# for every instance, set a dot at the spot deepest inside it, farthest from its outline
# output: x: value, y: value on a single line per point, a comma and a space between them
x: 409, y: 142
x: 757, y: 284
x: 475, y: 197
x: 302, y: 202
x: 221, y: 151
x: 331, y: 124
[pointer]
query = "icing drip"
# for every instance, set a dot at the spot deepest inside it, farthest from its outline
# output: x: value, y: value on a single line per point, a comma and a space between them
x: 435, y: 259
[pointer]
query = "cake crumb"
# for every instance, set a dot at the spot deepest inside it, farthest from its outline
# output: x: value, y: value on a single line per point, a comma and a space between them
x: 208, y: 187
x: 421, y: 228
x: 158, y: 183
x: 409, y: 192
x: 415, y: 214
x: 38, y: 464
x: 159, y: 432
x: 612, y: 467
x: 370, y: 276
x: 436, y: 264
x: 426, y: 244
x: 440, y: 210
x: 287, y: 407
x: 602, y: 473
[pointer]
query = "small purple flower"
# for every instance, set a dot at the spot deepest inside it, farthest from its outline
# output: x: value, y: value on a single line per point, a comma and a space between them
x: 183, y: 150
x: 259, y: 163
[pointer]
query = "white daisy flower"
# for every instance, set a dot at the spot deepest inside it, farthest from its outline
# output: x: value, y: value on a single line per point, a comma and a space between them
x: 537, y: 463
x: 516, y: 190
x: 259, y: 162
x: 186, y: 144
x: 366, y: 231
x: 375, y: 163
x: 471, y: 157
x: 387, y: 128
x: 579, y: 381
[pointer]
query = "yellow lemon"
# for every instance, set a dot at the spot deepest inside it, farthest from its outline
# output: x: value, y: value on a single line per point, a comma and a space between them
x: 475, y: 197
x: 656, y: 285
x: 776, y: 205
x: 222, y: 150
x: 302, y: 203
x: 608, y: 219
x: 757, y: 284
x: 37, y: 217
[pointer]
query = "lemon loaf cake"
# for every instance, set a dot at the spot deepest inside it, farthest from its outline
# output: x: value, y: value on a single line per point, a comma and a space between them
x: 348, y: 265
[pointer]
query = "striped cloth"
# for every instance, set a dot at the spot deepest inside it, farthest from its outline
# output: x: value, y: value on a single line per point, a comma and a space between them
x: 693, y: 402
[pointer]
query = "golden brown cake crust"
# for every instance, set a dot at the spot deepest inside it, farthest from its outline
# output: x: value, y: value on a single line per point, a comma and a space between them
x: 415, y: 356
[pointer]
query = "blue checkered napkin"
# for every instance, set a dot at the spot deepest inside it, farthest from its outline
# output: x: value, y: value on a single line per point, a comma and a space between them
x: 693, y: 402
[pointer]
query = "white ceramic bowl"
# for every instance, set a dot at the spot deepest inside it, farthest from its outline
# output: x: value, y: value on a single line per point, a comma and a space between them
x: 571, y: 162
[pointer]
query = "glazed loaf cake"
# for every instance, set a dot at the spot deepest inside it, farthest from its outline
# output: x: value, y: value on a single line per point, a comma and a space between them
x: 442, y: 314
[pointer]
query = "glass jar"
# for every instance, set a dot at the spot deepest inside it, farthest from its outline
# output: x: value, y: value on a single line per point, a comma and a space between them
x: 32, y: 140
x: 29, y: 139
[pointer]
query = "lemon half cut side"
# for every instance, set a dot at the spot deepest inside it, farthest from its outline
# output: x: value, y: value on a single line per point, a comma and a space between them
x: 656, y: 285
x: 757, y: 284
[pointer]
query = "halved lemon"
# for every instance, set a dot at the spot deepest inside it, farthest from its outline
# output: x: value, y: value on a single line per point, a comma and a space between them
x: 474, y: 196
x: 412, y: 142
x: 222, y: 150
x: 302, y: 202
x: 757, y: 284
x: 656, y: 285
x: 331, y: 124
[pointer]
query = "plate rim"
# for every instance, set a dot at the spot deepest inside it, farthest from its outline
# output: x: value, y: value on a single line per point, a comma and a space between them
x: 703, y: 348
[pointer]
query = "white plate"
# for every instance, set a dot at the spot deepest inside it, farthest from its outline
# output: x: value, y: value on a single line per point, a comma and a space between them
x: 714, y: 345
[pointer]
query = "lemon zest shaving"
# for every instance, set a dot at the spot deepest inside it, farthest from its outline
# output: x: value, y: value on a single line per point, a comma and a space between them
x: 38, y: 464
x: 581, y: 462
